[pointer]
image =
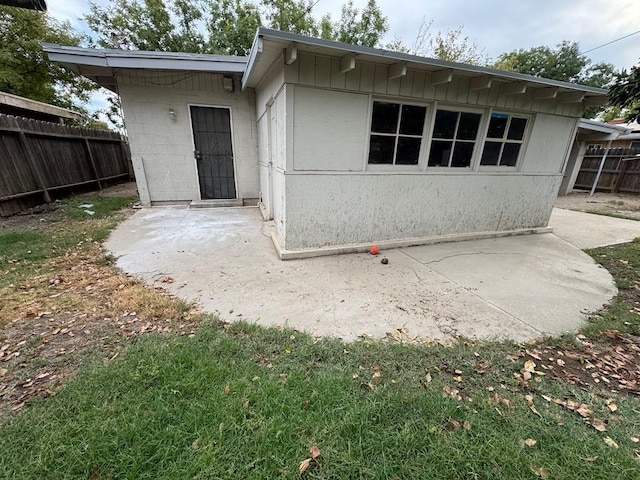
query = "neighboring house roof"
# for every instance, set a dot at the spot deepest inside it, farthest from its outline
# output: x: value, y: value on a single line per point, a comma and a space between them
x: 592, y: 130
x: 16, y: 105
x: 269, y: 44
x: 100, y: 65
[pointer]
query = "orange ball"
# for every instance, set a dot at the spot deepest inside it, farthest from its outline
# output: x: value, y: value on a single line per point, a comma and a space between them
x: 374, y: 250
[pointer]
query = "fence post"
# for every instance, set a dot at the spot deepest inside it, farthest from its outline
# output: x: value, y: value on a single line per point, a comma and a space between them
x: 604, y: 158
x: 33, y: 166
x: 92, y: 162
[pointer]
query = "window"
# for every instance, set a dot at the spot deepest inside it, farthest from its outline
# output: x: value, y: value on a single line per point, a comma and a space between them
x: 635, y: 145
x: 454, y: 138
x: 504, y: 140
x: 396, y: 133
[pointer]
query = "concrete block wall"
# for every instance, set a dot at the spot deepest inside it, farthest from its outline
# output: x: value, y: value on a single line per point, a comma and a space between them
x: 164, y: 146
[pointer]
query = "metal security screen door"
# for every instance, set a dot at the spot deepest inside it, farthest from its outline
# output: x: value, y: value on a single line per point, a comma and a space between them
x: 213, y: 152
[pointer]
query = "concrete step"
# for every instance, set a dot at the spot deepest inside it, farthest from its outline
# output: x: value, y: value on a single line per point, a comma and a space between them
x: 215, y: 203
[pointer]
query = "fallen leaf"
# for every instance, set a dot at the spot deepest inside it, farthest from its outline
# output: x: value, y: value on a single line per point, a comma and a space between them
x: 560, y: 362
x: 541, y: 472
x: 583, y: 410
x: 304, y: 465
x: 598, y: 424
x: 453, y: 424
x: 314, y: 451
x: 467, y: 425
x: 609, y: 441
x: 3, y: 372
x: 427, y: 377
x: 634, y: 439
x: 245, y: 405
x: 530, y: 366
x: 526, y: 375
x: 612, y: 406
x: 589, y: 459
x: 227, y: 390
x: 376, y: 375
x: 530, y: 442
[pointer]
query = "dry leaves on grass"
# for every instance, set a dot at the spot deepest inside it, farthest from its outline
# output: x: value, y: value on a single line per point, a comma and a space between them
x: 610, y: 365
x: 314, y: 454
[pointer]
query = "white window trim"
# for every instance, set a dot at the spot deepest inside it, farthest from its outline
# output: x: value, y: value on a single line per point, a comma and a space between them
x: 426, y: 131
x: 474, y: 156
x: 523, y: 145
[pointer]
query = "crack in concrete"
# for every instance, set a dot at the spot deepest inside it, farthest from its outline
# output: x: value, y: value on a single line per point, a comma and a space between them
x: 472, y: 254
x: 471, y: 292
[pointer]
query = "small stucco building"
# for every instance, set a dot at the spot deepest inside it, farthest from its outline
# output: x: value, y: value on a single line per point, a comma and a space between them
x: 343, y: 145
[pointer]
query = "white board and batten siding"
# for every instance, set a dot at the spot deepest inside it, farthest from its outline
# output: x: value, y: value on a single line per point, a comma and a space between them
x: 324, y: 72
x: 164, y: 146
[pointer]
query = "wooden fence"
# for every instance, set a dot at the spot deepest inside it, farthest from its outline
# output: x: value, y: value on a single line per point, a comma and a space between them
x: 621, y: 171
x: 39, y: 161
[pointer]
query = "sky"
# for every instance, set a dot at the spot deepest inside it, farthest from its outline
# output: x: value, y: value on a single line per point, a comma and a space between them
x: 497, y: 26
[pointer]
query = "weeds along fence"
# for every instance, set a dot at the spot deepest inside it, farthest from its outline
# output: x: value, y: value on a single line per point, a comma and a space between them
x: 620, y: 172
x: 40, y: 161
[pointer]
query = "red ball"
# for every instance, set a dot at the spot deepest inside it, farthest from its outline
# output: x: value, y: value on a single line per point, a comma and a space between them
x: 374, y: 250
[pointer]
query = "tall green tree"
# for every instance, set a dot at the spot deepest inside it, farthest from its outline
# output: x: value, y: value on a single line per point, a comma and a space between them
x: 625, y: 93
x: 224, y: 26
x: 564, y: 62
x: 366, y: 27
x: 25, y: 69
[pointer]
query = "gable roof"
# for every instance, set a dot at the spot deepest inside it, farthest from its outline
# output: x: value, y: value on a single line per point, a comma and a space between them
x: 269, y: 44
x: 100, y: 65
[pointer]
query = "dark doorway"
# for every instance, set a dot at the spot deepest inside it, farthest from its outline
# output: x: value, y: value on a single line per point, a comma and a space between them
x: 213, y: 152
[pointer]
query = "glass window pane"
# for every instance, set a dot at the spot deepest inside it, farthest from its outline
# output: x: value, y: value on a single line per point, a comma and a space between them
x: 468, y: 128
x: 439, y: 155
x: 462, y: 153
x: 445, y: 125
x: 385, y: 117
x: 381, y: 149
x: 510, y: 154
x: 497, y: 125
x: 490, y: 153
x: 516, y: 129
x: 412, y: 120
x: 408, y: 151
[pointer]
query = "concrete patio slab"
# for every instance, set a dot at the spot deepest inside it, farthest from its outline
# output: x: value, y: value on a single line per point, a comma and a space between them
x: 588, y: 230
x: 514, y: 287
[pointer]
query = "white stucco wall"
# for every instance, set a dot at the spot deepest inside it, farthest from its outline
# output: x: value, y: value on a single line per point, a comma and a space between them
x: 165, y: 146
x: 337, y: 209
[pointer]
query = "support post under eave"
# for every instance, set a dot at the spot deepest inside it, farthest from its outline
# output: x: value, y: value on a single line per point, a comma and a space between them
x: 604, y: 158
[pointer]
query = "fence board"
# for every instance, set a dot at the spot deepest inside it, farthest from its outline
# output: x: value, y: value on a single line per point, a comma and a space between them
x: 614, y: 177
x: 37, y: 157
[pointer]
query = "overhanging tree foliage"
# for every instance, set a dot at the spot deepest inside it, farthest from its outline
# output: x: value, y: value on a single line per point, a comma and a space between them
x: 224, y: 26
x: 625, y: 93
x: 564, y: 62
x: 25, y: 69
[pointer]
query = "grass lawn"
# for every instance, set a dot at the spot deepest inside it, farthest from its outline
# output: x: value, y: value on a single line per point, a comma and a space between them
x: 241, y: 401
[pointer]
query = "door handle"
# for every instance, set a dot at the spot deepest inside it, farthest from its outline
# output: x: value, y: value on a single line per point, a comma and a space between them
x: 197, y: 154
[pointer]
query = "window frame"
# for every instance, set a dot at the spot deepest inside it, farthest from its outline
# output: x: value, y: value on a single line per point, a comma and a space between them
x: 474, y: 155
x: 523, y: 143
x: 426, y: 131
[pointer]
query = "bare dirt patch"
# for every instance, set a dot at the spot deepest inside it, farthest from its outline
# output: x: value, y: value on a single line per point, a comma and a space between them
x: 617, y: 204
x: 83, y: 305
